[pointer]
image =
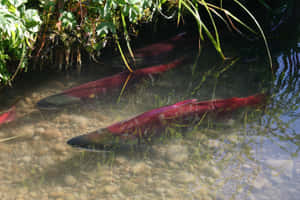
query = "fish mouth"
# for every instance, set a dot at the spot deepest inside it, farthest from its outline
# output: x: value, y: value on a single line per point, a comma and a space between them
x: 54, y: 102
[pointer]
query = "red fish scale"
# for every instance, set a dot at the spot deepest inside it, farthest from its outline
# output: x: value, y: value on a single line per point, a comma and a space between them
x: 189, y: 108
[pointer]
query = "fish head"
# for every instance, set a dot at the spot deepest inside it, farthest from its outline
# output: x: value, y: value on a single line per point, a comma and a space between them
x: 94, y: 140
x: 54, y: 102
x: 100, y: 140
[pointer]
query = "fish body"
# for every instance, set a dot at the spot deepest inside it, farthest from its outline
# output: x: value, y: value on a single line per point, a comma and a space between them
x: 154, y: 121
x: 8, y: 116
x: 102, y: 86
x: 163, y: 47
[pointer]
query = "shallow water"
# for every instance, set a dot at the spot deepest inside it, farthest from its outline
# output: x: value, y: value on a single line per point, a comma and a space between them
x: 251, y: 154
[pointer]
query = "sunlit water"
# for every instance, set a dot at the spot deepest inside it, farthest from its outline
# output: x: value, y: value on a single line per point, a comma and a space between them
x: 251, y: 154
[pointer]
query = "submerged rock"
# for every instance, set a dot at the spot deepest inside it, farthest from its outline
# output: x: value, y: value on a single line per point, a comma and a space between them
x: 184, y: 177
x: 51, y: 133
x: 70, y: 180
x: 141, y: 168
x: 210, y: 171
x: 260, y: 183
x: 121, y: 160
x: 129, y: 187
x: 177, y: 153
x: 211, y: 143
x: 282, y: 166
x: 27, y: 131
x: 111, y: 189
x: 27, y: 158
x: 81, y: 121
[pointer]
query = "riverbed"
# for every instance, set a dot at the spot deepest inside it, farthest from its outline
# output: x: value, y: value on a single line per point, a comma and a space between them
x: 251, y: 154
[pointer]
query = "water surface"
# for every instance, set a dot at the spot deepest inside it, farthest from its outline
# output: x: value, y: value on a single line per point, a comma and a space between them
x: 251, y: 154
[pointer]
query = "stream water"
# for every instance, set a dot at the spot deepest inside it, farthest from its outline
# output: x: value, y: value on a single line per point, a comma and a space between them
x: 251, y: 154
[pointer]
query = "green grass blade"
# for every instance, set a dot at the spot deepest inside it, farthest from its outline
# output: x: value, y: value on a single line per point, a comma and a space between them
x: 218, y: 45
x: 231, y: 15
x: 122, y: 55
x: 239, y: 21
x: 124, y: 86
x: 196, y: 15
x: 126, y: 35
x: 201, y: 25
x: 221, y: 17
x: 179, y: 12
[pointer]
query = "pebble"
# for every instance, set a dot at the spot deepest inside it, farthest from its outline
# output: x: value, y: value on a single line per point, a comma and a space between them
x: 141, y: 168
x: 260, y: 182
x: 184, y: 177
x: 26, y: 131
x: 121, y: 160
x: 159, y: 151
x: 21, y: 104
x: 202, y: 192
x: 58, y: 84
x: 233, y: 139
x: 28, y: 100
x: 129, y: 187
x: 4, y: 148
x: 40, y: 130
x: 60, y: 148
x: 46, y: 161
x: 70, y: 180
x: 211, y: 143
x: 80, y: 121
x: 110, y: 189
x: 26, y: 158
x: 282, y: 166
x: 69, y: 196
x: 35, y: 95
x: 51, y: 133
x: 56, y: 194
x: 210, y: 171
x: 275, y: 176
x: 33, y: 194
x: 177, y: 153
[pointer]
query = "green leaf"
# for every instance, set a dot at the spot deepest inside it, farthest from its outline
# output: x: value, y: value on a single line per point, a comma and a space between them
x: 18, y: 3
x: 32, y: 20
x: 104, y: 28
x: 68, y: 20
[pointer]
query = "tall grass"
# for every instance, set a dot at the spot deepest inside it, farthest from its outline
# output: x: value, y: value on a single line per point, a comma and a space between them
x: 218, y: 11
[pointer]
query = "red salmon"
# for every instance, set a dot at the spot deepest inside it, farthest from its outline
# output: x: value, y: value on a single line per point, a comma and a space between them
x: 102, y: 86
x: 8, y: 116
x: 154, y: 121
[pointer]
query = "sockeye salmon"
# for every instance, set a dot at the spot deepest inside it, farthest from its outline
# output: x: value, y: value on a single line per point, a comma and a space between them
x: 154, y: 122
x: 163, y: 47
x: 102, y: 86
x: 8, y: 116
